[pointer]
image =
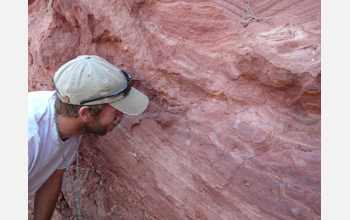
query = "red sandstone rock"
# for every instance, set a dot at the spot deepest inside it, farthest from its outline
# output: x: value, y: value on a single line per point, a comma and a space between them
x: 233, y: 126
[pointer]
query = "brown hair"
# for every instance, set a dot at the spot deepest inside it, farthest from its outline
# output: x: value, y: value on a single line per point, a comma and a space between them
x: 72, y: 111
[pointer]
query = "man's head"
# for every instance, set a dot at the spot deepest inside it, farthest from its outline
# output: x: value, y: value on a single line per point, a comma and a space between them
x: 94, y: 116
x: 92, y: 86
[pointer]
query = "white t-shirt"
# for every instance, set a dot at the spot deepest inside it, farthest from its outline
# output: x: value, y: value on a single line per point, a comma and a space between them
x: 44, y: 153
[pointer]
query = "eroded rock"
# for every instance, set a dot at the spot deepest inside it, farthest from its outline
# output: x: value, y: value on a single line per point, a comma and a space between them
x: 233, y: 126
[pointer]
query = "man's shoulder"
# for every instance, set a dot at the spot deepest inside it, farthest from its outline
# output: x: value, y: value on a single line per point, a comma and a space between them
x: 39, y: 98
x: 40, y: 103
x: 40, y: 95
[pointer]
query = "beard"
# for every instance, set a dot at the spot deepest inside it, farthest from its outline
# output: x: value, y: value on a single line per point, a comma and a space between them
x: 95, y: 127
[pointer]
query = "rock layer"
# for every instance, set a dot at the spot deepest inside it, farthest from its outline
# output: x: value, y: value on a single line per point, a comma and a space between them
x: 233, y: 126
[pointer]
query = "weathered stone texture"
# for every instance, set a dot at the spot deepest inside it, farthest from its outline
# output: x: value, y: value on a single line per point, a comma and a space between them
x: 233, y: 126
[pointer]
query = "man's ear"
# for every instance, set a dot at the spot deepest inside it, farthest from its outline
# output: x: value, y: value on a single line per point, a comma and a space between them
x: 85, y: 114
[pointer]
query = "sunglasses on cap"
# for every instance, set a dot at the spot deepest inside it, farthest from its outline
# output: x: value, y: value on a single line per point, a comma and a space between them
x: 125, y: 91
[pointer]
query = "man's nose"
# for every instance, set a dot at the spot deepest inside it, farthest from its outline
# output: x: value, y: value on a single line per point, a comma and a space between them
x: 119, y: 114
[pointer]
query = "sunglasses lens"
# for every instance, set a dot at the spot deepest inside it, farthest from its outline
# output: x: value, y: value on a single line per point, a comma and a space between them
x: 127, y: 90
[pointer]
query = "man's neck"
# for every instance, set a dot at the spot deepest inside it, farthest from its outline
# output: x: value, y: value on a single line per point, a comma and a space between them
x: 69, y: 127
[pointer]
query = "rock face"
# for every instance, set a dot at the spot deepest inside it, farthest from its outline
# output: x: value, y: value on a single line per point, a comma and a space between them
x: 233, y: 126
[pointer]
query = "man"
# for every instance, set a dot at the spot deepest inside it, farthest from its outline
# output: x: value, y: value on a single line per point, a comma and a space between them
x: 90, y: 95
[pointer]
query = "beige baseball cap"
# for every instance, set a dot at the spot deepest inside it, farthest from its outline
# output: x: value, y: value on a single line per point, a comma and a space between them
x: 91, y: 80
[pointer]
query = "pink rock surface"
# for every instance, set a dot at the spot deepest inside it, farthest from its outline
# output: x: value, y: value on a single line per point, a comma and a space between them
x: 233, y: 126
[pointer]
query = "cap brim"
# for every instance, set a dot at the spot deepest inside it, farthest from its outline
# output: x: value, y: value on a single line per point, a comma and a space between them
x: 133, y: 104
